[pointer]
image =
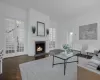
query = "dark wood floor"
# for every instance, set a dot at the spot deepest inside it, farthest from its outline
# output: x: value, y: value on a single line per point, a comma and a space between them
x: 11, y: 67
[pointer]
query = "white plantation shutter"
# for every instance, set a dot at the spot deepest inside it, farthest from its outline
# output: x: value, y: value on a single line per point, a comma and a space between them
x: 52, y: 37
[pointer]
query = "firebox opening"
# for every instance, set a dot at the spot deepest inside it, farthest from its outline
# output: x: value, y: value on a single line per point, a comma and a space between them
x: 40, y: 47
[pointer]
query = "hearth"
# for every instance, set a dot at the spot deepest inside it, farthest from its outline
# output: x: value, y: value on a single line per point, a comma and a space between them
x: 40, y: 47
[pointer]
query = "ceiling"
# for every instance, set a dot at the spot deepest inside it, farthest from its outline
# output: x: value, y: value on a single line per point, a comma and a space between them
x: 58, y: 9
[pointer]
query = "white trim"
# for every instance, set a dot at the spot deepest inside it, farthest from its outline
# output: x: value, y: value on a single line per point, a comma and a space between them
x: 13, y: 55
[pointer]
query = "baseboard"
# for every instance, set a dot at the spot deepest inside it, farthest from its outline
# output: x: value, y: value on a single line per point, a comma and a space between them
x: 13, y: 55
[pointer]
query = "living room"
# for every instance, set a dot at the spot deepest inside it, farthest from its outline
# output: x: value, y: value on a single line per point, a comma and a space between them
x: 30, y: 27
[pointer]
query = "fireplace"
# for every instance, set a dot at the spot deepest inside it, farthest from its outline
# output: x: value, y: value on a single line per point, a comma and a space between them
x: 40, y: 47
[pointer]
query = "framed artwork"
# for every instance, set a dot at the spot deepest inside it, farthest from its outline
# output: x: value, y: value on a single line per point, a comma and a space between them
x: 40, y: 29
x: 88, y: 32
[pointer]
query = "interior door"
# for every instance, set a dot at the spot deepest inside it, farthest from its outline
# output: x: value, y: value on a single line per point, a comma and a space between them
x: 14, y: 40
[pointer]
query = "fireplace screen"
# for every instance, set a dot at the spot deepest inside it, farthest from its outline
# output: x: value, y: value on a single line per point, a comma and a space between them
x: 40, y: 47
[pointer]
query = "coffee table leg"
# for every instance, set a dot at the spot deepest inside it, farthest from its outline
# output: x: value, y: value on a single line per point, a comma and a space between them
x: 64, y: 67
x: 53, y: 61
x: 77, y: 59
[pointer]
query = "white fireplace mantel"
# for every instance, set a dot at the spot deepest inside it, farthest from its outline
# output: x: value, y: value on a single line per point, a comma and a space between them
x: 39, y: 38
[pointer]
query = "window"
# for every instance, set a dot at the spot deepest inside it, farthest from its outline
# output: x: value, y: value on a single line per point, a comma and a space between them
x: 52, y: 37
x: 14, y: 36
x: 70, y: 38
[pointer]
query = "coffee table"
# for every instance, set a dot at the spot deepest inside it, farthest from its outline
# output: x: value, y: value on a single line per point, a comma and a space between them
x: 65, y: 58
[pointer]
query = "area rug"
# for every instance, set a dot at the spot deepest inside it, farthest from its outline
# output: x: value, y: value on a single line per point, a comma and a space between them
x: 42, y: 70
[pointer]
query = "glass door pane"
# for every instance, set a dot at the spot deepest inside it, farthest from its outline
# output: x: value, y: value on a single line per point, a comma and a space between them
x: 10, y: 38
x: 14, y: 37
x: 20, y: 36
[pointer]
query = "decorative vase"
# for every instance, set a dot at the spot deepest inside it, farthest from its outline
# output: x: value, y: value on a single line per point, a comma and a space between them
x: 66, y: 52
x: 67, y: 49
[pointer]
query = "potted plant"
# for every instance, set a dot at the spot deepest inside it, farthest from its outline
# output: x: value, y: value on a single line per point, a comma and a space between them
x: 67, y: 48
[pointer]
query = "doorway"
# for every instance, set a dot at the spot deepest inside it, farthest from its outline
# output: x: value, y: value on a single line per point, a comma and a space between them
x: 14, y: 37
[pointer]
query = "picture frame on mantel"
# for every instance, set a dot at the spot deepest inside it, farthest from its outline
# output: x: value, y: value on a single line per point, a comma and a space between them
x: 40, y: 28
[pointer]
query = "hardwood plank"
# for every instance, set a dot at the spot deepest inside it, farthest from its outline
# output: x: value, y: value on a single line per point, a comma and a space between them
x: 11, y: 69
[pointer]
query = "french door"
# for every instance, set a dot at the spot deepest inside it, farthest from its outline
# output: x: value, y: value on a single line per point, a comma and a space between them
x: 14, y: 40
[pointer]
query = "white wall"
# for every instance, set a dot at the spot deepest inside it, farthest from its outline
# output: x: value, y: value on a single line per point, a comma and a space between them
x: 30, y: 17
x: 2, y: 29
x: 62, y: 30
x: 33, y: 17
x: 7, y: 11
x: 72, y: 25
